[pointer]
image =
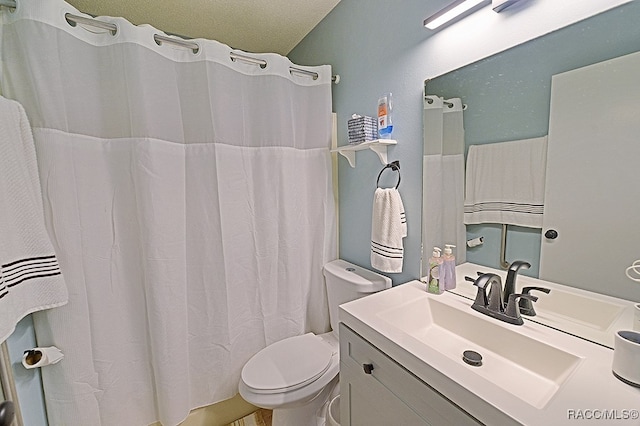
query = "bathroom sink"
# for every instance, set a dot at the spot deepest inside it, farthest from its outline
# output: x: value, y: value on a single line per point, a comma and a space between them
x: 521, y: 365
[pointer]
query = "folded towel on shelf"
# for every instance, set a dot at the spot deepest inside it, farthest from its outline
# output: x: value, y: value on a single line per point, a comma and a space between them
x: 388, y: 228
x: 30, y: 278
x: 505, y: 183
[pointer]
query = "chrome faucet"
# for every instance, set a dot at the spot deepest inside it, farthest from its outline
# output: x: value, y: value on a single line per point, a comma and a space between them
x: 491, y: 303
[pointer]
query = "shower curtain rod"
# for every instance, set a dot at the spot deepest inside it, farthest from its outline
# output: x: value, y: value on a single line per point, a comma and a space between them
x: 73, y: 20
x: 293, y: 70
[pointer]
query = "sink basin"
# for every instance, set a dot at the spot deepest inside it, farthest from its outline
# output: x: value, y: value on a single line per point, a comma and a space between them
x: 588, y: 311
x: 521, y: 365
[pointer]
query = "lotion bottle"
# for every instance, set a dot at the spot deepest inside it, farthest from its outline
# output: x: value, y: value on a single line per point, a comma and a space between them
x: 434, y: 285
x: 448, y: 269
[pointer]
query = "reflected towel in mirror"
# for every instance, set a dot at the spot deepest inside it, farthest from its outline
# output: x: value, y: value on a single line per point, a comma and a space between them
x: 505, y: 183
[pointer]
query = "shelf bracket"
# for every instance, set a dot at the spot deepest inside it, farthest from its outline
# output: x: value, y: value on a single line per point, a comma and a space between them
x: 381, y: 150
x: 379, y: 146
x: 350, y: 156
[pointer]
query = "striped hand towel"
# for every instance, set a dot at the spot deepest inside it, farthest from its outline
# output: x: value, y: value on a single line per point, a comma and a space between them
x: 388, y: 228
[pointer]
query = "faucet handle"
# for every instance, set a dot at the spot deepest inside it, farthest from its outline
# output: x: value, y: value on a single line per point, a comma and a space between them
x: 513, y: 309
x: 483, y: 298
x: 481, y: 282
x: 481, y: 295
x: 526, y: 307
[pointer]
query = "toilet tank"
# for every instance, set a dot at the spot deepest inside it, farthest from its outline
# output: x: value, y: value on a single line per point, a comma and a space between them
x: 346, y: 282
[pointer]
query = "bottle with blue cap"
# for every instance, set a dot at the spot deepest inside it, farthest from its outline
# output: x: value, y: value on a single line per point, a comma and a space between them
x: 385, y: 123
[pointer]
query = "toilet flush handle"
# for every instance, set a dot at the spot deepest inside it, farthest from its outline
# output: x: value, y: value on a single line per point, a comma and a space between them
x: 368, y: 368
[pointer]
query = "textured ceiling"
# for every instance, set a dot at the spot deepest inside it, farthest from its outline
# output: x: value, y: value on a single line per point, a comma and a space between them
x: 250, y: 25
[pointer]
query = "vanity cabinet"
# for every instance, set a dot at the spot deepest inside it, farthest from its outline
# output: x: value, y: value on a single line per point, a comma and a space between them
x: 377, y: 391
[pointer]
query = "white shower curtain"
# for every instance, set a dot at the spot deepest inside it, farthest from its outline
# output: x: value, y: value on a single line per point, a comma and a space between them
x: 443, y: 178
x: 189, y: 200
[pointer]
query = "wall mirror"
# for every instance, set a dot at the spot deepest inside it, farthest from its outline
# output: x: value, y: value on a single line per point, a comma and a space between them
x: 508, y: 97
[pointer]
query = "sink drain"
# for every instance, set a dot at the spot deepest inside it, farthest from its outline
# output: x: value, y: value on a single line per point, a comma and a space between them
x: 472, y: 358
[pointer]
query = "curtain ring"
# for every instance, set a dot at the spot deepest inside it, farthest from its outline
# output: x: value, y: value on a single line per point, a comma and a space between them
x: 395, y: 166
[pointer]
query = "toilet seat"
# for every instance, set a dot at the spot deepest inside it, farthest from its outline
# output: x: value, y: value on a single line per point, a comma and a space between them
x: 288, y: 365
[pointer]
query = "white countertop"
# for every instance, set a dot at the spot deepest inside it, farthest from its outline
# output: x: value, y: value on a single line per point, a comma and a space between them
x: 590, y: 389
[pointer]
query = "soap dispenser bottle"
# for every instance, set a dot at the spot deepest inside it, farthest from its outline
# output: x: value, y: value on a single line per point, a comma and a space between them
x: 434, y: 285
x: 448, y: 269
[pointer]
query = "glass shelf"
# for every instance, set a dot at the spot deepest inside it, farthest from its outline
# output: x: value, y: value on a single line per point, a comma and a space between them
x: 379, y: 146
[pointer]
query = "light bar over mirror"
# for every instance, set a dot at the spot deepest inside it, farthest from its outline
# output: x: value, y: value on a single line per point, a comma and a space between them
x: 454, y: 10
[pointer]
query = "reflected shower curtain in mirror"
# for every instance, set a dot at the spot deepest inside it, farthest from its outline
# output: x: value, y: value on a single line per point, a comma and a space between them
x: 189, y: 199
x: 443, y: 178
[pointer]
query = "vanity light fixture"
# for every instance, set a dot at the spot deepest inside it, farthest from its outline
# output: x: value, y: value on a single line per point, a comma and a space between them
x: 499, y: 5
x: 455, y: 9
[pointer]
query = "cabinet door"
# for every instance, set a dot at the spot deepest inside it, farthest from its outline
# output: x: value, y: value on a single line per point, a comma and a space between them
x: 388, y: 394
x: 369, y: 403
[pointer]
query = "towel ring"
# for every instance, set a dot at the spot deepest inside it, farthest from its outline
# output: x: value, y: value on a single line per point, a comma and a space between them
x: 395, y: 166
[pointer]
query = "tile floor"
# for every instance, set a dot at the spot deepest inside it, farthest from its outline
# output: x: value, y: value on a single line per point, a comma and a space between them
x: 261, y: 417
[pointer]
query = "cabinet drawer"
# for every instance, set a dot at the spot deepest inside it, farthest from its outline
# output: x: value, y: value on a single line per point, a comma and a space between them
x: 358, y: 355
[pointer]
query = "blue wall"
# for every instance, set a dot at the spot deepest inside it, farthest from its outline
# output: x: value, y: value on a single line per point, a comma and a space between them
x: 28, y: 384
x: 386, y: 49
x: 369, y: 43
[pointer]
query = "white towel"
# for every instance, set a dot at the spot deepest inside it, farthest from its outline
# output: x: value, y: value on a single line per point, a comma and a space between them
x: 505, y: 183
x: 30, y: 278
x: 388, y: 228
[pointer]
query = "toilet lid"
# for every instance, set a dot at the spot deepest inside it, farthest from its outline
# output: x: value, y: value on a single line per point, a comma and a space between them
x: 288, y: 364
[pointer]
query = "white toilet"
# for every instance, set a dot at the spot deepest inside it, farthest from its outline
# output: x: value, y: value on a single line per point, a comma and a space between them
x: 297, y: 376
